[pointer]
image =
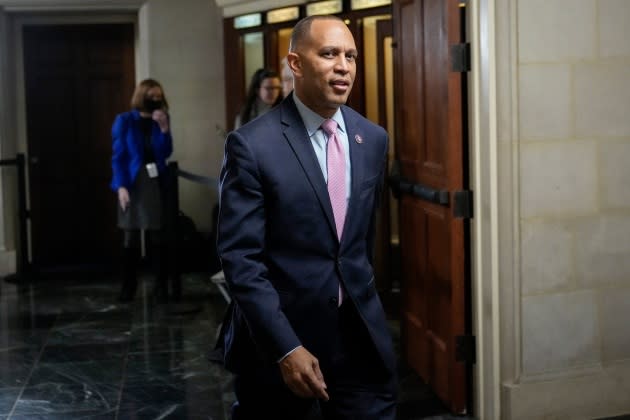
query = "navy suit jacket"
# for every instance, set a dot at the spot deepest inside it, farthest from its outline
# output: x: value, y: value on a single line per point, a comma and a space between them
x: 278, y: 245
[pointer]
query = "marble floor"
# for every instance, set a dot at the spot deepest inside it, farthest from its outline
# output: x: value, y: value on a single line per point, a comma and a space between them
x: 69, y: 350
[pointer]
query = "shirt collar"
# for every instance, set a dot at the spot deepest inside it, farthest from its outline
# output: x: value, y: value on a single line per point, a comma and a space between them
x: 313, y: 121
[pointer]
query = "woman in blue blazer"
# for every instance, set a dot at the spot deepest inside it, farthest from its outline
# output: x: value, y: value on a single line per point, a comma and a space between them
x: 141, y: 144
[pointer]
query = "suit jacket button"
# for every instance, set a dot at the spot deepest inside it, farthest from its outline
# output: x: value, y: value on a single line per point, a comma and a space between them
x: 332, y: 302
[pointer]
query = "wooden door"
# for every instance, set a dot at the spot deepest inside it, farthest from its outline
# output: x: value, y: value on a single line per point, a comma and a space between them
x: 78, y: 77
x: 383, y: 267
x: 431, y: 150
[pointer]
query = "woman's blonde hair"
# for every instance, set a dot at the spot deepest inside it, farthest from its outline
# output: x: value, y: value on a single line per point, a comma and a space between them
x: 137, y: 99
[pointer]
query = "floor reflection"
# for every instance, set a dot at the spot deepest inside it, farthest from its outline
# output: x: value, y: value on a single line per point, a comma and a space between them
x: 68, y: 350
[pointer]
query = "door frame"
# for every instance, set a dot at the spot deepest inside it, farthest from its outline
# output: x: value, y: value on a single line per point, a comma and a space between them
x: 482, y: 20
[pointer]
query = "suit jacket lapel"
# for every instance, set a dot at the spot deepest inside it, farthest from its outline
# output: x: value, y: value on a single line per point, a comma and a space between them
x: 357, y: 166
x: 296, y: 135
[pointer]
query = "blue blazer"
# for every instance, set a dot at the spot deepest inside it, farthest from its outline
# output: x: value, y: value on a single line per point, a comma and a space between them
x: 278, y: 245
x: 128, y: 148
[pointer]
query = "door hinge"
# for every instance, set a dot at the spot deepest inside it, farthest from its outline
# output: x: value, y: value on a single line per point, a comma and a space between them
x: 465, y: 346
x: 460, y: 57
x: 463, y: 204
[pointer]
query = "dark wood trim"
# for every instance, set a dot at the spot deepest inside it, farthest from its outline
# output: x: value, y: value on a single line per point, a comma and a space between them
x: 271, y: 50
x: 357, y: 97
x: 383, y: 30
x: 356, y: 100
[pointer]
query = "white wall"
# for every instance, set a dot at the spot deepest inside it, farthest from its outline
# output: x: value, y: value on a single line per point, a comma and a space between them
x: 7, y: 179
x: 181, y: 45
x: 566, y: 227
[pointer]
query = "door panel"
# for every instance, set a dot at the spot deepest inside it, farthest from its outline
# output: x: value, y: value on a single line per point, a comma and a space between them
x: 77, y: 78
x: 254, y: 55
x: 430, y: 152
x: 375, y: 65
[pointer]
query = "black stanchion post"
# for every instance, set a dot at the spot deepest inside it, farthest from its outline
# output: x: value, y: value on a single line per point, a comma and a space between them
x: 22, y: 262
x: 22, y: 265
x: 172, y: 200
x: 172, y: 236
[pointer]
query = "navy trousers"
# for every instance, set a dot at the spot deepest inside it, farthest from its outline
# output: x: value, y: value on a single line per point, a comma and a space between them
x: 358, y: 386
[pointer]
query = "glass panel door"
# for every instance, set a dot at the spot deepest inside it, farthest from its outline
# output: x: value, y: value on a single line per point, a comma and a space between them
x: 254, y: 54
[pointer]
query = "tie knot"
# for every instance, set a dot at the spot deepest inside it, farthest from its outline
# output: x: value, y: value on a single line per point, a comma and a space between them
x: 329, y: 126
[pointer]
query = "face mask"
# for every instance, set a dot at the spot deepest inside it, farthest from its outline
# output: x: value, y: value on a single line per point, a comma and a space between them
x: 150, y: 105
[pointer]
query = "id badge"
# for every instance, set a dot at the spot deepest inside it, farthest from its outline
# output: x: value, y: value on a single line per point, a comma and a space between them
x: 152, y: 170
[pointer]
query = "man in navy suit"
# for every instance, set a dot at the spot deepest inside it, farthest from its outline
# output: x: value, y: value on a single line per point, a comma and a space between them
x: 306, y: 330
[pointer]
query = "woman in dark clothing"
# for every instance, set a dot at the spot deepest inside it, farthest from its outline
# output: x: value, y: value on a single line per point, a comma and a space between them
x: 141, y: 144
x: 264, y: 93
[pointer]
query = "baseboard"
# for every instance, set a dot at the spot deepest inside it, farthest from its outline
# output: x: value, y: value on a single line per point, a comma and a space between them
x: 592, y: 394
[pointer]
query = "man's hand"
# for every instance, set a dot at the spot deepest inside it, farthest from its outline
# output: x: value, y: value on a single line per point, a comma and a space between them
x: 123, y: 198
x: 300, y: 371
x: 161, y: 118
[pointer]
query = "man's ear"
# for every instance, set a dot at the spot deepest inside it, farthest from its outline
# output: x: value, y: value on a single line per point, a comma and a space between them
x: 295, y: 64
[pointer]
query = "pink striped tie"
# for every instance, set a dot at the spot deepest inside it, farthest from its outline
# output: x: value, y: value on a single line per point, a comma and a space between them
x: 336, y: 169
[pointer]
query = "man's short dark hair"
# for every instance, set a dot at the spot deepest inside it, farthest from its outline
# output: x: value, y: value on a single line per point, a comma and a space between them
x: 302, y: 29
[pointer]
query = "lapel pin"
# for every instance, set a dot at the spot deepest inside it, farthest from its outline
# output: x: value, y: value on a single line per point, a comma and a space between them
x: 358, y: 139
